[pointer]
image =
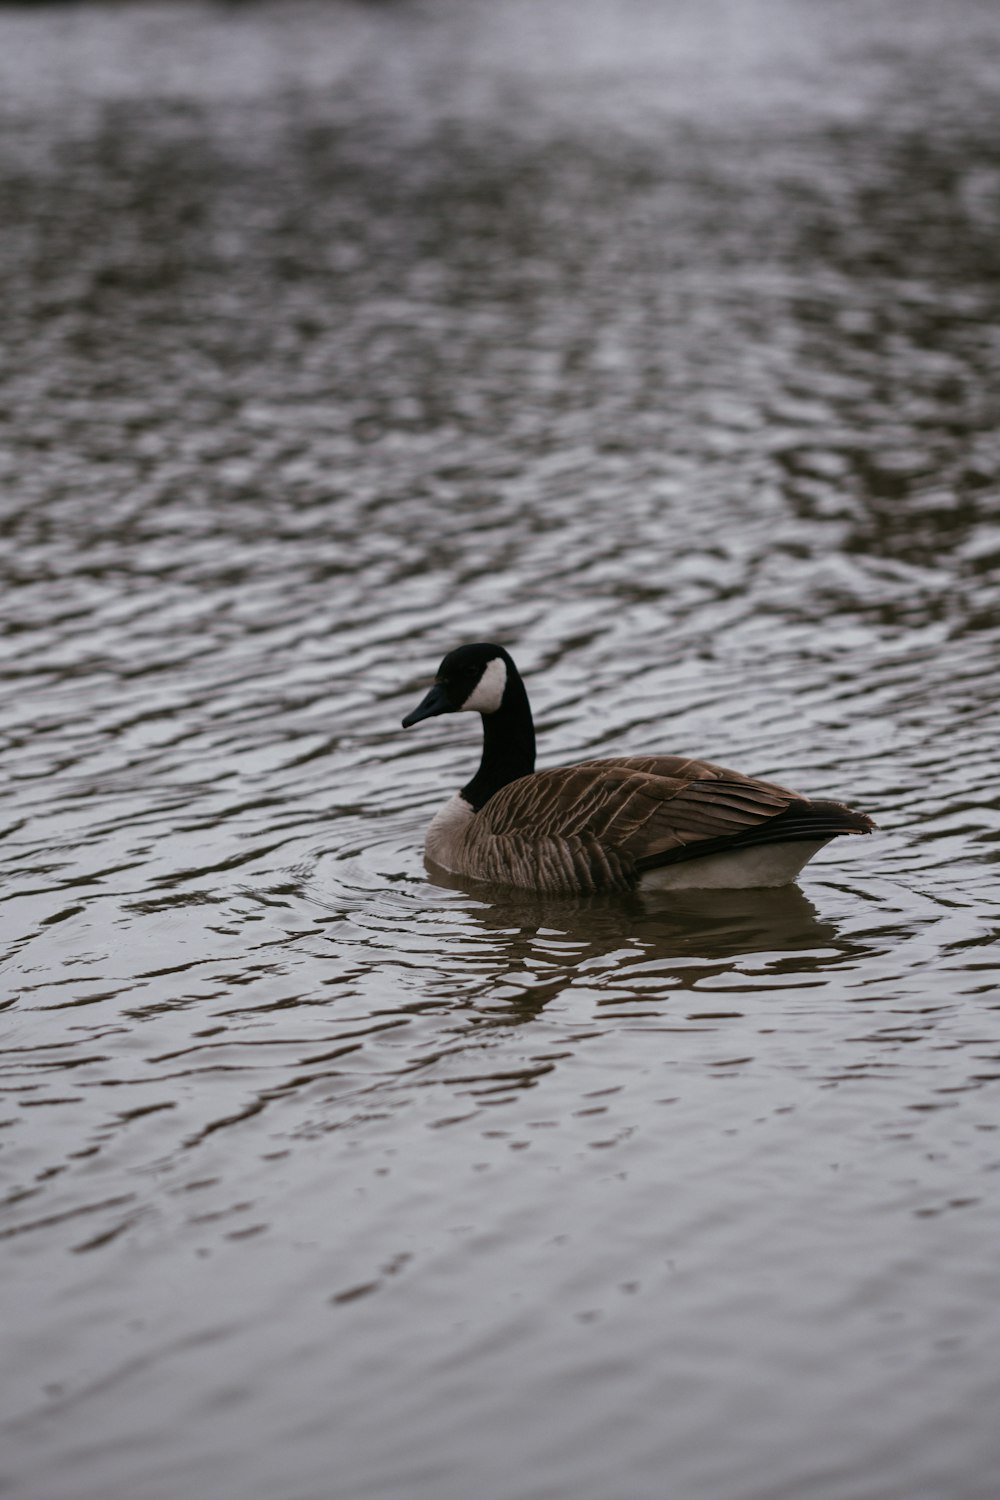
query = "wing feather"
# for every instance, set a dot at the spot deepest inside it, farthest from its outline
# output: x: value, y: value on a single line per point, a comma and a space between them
x: 598, y: 825
x: 638, y: 806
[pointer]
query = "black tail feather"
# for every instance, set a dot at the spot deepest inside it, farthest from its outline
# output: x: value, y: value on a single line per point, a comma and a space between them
x: 800, y: 820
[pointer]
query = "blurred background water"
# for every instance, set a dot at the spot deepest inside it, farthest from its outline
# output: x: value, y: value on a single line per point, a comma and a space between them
x: 659, y: 342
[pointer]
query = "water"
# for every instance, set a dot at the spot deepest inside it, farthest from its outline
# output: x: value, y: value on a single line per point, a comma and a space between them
x: 659, y: 342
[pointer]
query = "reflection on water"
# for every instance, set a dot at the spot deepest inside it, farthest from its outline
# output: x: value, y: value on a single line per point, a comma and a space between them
x: 658, y: 343
x: 702, y: 924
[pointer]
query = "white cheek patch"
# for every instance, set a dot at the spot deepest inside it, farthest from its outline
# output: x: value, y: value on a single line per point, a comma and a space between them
x: 487, y: 694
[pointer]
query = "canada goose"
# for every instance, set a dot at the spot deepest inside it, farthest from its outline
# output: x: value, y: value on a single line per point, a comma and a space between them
x: 655, y: 821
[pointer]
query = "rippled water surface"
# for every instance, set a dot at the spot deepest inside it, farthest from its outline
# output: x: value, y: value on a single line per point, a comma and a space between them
x: 659, y: 342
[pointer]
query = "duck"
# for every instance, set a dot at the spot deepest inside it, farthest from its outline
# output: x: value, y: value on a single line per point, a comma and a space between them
x: 652, y: 822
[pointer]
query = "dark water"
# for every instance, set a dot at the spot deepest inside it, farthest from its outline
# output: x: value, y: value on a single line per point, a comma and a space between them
x: 661, y: 343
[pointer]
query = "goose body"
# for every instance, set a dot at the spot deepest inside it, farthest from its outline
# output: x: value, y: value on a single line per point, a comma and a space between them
x: 656, y: 821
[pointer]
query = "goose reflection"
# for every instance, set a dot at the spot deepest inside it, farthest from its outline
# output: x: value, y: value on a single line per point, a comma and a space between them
x: 547, y: 942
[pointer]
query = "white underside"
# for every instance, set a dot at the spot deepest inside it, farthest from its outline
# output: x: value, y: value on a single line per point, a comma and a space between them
x: 445, y: 829
x: 757, y: 868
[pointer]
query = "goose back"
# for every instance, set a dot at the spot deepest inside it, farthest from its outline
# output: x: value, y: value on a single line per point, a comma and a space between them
x: 607, y: 824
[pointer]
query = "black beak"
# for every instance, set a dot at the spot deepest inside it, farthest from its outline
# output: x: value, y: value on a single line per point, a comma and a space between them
x: 436, y: 702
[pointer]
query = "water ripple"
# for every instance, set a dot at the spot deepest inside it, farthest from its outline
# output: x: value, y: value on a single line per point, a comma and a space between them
x: 663, y: 351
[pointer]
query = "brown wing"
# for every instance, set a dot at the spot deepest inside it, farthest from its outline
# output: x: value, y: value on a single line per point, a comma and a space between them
x: 599, y: 825
x: 640, y: 806
x: 596, y: 826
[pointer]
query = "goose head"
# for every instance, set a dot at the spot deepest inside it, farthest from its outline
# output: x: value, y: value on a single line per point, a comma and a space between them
x: 471, y: 679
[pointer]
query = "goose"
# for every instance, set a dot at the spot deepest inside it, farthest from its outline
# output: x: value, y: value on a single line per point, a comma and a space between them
x: 650, y: 821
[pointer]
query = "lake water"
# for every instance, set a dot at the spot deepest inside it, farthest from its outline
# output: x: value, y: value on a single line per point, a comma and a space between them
x: 660, y: 342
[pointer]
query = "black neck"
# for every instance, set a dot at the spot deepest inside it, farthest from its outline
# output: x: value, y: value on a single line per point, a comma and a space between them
x: 508, y: 743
